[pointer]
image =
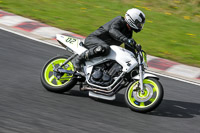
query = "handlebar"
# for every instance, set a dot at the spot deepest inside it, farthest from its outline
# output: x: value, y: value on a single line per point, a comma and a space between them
x: 138, y: 47
x: 138, y: 52
x: 133, y: 46
x: 133, y: 43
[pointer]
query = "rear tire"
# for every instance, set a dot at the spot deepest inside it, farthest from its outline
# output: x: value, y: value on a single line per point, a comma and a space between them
x: 152, y: 97
x: 50, y: 81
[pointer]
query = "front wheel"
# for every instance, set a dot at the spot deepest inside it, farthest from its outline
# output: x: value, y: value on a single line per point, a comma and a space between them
x: 147, y: 101
x: 54, y: 81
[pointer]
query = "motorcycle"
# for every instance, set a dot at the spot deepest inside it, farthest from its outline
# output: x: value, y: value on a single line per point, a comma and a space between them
x: 105, y: 76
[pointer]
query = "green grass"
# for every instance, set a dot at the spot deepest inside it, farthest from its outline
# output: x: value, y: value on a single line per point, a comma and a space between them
x: 171, y: 30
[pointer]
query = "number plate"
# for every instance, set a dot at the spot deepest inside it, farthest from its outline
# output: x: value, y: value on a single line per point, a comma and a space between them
x: 71, y: 40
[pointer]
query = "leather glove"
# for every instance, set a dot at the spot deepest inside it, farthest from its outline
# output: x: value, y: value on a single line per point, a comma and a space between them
x: 130, y: 42
x: 130, y: 45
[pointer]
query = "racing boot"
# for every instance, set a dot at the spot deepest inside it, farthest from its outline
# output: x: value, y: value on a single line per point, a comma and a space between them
x: 80, y: 60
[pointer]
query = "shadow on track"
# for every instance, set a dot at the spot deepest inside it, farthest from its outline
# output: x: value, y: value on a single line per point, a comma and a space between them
x: 177, y: 109
x: 77, y: 93
x: 168, y: 108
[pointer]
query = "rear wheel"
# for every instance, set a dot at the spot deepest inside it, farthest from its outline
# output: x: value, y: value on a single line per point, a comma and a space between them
x: 147, y: 101
x: 54, y: 81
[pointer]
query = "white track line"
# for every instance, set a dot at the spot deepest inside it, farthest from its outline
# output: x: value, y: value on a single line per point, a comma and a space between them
x: 182, y: 80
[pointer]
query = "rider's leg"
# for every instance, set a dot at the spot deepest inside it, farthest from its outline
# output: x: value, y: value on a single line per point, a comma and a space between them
x: 95, y: 51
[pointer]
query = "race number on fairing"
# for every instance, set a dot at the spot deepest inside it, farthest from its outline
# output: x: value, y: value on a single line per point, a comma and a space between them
x: 71, y: 40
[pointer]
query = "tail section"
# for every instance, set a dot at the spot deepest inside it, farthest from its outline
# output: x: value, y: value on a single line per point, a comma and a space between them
x: 73, y: 44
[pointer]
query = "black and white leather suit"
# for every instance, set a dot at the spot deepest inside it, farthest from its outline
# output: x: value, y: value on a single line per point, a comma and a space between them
x: 115, y: 32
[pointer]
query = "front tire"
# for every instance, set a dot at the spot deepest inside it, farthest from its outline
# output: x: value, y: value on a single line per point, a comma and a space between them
x: 152, y: 97
x: 49, y: 77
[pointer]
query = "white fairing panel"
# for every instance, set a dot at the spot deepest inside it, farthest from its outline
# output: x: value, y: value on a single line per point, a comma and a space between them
x: 146, y: 75
x: 124, y: 57
x: 71, y: 43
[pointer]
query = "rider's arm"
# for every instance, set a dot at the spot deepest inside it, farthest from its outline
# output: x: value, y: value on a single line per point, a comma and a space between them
x: 114, y: 31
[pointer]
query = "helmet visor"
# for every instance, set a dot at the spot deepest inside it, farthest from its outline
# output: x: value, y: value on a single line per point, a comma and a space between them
x: 140, y: 25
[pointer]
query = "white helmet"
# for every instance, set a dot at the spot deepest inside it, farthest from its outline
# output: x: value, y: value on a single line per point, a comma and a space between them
x: 135, y: 19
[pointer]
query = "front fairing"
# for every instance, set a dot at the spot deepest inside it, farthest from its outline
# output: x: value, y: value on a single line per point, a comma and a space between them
x: 124, y: 57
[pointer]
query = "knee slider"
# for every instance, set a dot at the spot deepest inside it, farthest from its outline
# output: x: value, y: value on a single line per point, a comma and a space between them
x: 102, y: 50
x: 99, y: 50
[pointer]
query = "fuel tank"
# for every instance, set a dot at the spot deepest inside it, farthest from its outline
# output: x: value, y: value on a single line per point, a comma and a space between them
x: 124, y: 57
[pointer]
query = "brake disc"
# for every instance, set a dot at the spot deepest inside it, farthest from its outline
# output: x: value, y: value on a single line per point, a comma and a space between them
x: 148, y: 93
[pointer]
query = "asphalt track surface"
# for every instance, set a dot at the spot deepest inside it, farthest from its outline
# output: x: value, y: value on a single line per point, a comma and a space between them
x: 26, y: 107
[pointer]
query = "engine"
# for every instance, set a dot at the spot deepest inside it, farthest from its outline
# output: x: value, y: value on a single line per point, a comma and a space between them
x: 104, y: 74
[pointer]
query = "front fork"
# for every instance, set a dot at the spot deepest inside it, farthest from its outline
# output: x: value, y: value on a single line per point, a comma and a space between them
x: 141, y: 74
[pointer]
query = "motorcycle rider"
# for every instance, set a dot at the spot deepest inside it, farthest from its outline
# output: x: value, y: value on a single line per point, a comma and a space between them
x: 117, y: 31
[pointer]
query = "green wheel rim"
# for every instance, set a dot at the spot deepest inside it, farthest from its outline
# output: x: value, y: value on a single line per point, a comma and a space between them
x: 50, y: 77
x: 146, y: 98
